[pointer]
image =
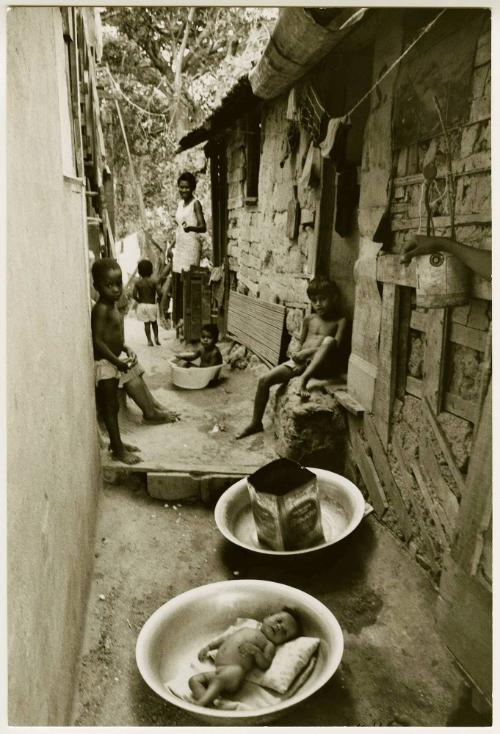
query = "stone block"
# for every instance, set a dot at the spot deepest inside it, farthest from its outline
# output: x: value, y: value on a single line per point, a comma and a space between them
x: 171, y: 486
x: 312, y: 432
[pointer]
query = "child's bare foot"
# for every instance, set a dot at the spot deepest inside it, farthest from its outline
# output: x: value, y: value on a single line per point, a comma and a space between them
x: 157, y: 342
x: 160, y: 416
x: 304, y: 393
x: 150, y: 343
x: 250, y: 430
x: 128, y: 447
x: 127, y: 457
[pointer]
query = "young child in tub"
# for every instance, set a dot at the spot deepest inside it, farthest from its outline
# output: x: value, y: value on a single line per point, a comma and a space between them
x: 208, y: 352
x: 239, y: 652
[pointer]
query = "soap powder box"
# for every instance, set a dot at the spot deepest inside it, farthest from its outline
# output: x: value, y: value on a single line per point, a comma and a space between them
x: 285, y: 505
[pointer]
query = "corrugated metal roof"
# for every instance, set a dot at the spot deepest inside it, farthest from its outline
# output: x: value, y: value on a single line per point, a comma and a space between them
x: 272, y: 79
x: 237, y: 102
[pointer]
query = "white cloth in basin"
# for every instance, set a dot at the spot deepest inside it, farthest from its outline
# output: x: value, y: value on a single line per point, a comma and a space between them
x: 290, y: 668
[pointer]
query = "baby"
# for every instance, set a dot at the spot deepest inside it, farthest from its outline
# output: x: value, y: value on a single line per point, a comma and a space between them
x: 239, y: 652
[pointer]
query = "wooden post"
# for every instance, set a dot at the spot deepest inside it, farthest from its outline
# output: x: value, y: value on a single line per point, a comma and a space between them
x: 434, y: 357
x: 385, y: 384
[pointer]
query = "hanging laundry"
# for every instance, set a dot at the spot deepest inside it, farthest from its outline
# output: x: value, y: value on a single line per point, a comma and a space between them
x: 333, y: 144
x: 311, y: 173
x: 347, y: 200
x: 313, y: 116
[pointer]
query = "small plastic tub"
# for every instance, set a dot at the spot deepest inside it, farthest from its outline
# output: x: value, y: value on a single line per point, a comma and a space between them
x: 193, y: 378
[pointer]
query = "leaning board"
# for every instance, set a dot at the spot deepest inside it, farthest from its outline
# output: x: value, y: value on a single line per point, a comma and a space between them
x: 258, y: 325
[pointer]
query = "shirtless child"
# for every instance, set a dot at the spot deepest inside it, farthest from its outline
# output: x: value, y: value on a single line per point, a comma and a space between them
x: 208, y: 353
x: 239, y: 652
x: 321, y: 337
x: 145, y: 294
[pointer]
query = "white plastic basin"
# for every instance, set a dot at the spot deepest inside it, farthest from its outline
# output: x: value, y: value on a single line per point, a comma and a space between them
x: 192, y: 378
x: 342, y: 509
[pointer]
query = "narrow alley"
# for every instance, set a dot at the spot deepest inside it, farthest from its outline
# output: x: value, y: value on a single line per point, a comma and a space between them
x: 148, y: 551
x: 303, y: 194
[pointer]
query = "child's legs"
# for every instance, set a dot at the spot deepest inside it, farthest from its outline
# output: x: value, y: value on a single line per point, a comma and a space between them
x: 280, y: 374
x: 141, y: 395
x: 107, y: 395
x: 147, y: 329
x: 199, y: 683
x: 155, y: 331
x: 322, y: 364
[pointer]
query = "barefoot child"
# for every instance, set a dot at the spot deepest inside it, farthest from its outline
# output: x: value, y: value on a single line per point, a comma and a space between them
x: 321, y: 337
x: 208, y: 353
x: 239, y: 652
x: 145, y: 294
x: 108, y: 340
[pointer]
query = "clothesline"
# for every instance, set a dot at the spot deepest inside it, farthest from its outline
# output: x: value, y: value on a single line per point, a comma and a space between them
x: 396, y: 62
x: 280, y: 134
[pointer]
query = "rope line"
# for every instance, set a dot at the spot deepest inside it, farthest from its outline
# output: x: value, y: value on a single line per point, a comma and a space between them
x: 395, y: 63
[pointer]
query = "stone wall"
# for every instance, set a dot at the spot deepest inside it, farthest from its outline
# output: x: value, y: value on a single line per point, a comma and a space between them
x: 268, y: 264
x: 53, y: 459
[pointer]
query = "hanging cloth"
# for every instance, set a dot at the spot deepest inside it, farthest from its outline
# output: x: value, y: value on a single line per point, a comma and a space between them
x: 313, y: 116
x: 311, y: 173
x: 335, y: 139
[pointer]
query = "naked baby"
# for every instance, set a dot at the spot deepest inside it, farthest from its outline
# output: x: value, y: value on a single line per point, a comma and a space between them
x: 239, y: 652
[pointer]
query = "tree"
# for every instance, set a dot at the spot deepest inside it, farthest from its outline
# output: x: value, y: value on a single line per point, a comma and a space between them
x: 167, y: 67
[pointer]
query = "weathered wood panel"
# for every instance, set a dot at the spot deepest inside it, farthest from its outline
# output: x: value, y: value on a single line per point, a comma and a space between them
x: 366, y: 468
x: 385, y: 384
x: 383, y: 469
x: 434, y: 357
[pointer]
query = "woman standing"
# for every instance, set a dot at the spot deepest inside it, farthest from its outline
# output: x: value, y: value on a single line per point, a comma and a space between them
x: 187, y: 251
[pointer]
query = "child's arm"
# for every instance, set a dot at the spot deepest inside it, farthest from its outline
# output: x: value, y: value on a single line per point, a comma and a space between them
x: 98, y: 338
x: 131, y: 354
x: 135, y: 293
x: 301, y: 355
x: 188, y: 356
x: 213, y: 645
x: 339, y: 335
x: 262, y: 658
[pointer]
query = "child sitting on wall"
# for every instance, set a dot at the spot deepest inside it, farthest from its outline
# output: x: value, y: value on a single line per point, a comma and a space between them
x: 317, y: 356
x: 208, y: 353
x: 145, y: 294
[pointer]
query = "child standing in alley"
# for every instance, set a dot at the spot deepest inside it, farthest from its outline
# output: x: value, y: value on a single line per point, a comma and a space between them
x: 145, y: 294
x: 317, y: 356
x: 109, y: 343
x: 208, y: 352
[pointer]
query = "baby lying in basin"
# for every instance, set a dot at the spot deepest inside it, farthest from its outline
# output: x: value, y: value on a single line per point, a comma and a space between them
x: 241, y: 651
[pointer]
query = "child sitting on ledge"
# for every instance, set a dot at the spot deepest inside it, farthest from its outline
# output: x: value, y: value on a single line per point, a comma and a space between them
x: 317, y: 356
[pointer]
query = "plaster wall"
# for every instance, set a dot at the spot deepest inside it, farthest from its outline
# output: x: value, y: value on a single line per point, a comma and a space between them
x: 53, y: 461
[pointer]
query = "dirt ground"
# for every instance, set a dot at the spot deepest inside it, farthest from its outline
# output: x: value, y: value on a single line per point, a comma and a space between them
x: 225, y: 407
x: 395, y: 670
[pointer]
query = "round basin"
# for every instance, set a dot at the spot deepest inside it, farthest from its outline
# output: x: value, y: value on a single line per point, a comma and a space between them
x: 193, y: 378
x: 174, y: 634
x: 342, y: 509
